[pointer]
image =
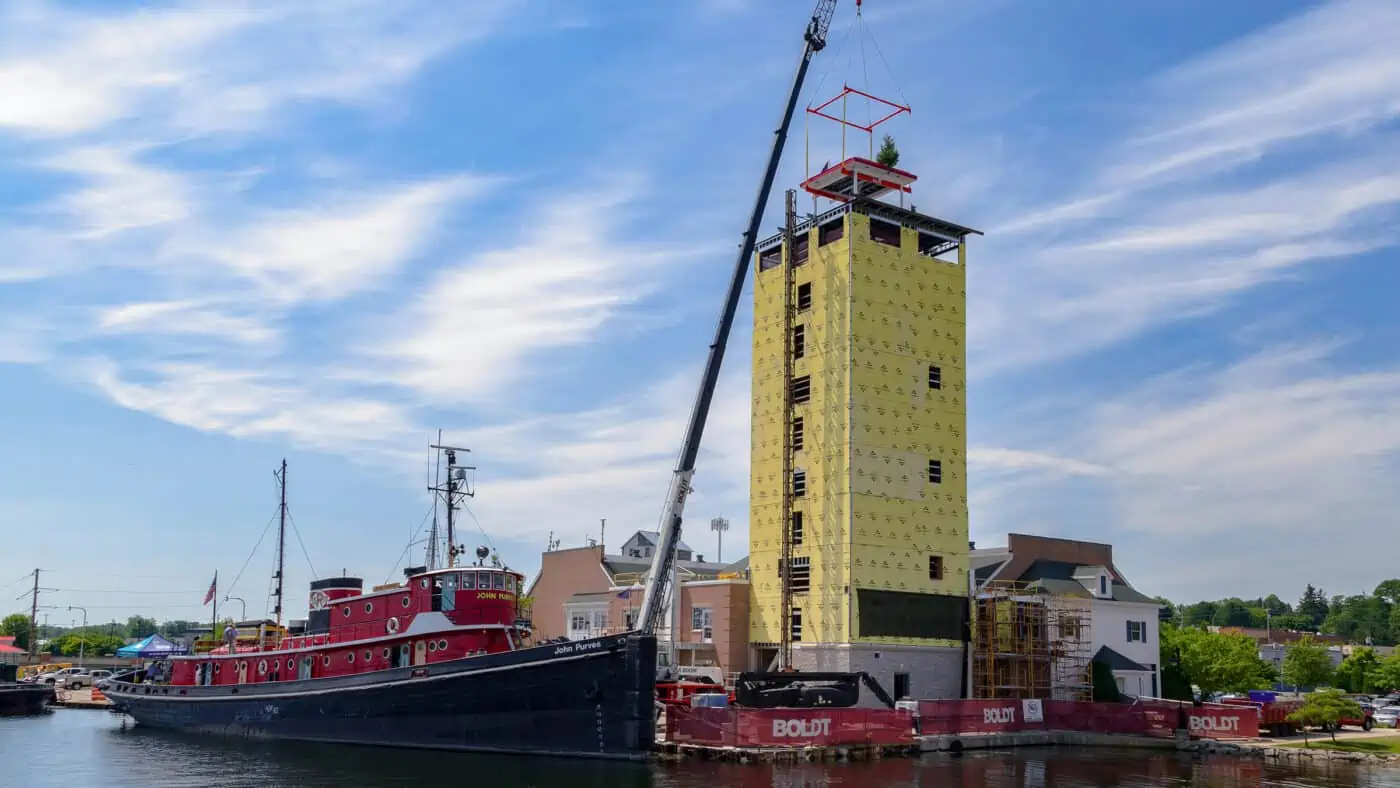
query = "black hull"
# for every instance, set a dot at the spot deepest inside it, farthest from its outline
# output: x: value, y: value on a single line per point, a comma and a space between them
x: 588, y: 698
x: 25, y: 699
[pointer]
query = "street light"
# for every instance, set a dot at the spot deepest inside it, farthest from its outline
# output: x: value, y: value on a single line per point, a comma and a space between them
x: 243, y: 606
x: 82, y: 644
x: 719, y: 525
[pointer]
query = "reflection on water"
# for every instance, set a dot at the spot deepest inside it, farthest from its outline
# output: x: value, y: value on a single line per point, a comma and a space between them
x: 87, y: 749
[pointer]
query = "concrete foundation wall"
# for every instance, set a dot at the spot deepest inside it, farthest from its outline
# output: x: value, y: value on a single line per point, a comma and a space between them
x: 935, y: 672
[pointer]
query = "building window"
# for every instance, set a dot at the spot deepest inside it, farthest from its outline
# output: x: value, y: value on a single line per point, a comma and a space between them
x: 797, y: 433
x: 770, y: 258
x: 797, y: 527
x: 801, y: 389
x: 799, y: 249
x: 884, y: 232
x: 804, y: 296
x: 935, y: 377
x: 800, y: 578
x: 630, y: 617
x: 935, y: 471
x: 935, y: 567
x: 1103, y: 585
x: 831, y: 231
x: 578, y: 622
x: 901, y: 686
x: 799, y: 342
x: 932, y: 245
x: 701, y: 619
x: 795, y: 627
x: 799, y: 484
x: 1137, y: 631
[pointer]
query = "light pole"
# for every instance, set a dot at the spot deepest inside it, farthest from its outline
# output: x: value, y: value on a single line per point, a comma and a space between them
x: 82, y: 644
x: 242, y: 609
x: 719, y: 525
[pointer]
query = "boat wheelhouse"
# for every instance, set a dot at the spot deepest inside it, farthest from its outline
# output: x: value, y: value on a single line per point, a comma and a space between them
x: 434, y: 616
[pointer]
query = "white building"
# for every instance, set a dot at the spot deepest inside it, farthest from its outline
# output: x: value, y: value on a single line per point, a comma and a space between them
x: 1123, y: 622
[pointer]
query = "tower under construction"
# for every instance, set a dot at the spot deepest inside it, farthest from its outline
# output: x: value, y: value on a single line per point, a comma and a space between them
x: 858, y: 489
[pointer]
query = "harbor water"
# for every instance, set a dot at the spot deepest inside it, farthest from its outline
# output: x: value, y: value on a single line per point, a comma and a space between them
x: 72, y: 748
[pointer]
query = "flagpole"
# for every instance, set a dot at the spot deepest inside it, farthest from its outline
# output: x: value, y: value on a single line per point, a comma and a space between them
x: 214, y: 622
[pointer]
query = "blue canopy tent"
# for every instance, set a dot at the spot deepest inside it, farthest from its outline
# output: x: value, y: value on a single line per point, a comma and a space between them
x: 153, y: 647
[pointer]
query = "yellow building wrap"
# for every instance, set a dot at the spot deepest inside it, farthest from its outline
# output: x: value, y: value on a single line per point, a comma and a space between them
x: 884, y: 532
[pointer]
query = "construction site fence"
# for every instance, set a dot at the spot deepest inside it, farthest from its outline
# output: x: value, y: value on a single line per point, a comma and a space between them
x: 742, y: 727
x: 1145, y: 717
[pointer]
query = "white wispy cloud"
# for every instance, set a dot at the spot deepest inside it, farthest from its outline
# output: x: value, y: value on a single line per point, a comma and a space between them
x: 1174, y: 224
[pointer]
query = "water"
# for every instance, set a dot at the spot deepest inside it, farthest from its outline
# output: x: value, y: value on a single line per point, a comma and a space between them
x: 75, y: 748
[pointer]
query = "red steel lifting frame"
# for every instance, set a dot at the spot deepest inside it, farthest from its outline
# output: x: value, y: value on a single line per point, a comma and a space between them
x: 847, y: 90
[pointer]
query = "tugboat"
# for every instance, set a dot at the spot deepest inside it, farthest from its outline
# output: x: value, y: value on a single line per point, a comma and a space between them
x: 444, y: 660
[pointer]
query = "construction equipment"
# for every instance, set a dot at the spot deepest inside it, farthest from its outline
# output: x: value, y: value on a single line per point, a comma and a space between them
x: 663, y: 559
x: 805, y: 690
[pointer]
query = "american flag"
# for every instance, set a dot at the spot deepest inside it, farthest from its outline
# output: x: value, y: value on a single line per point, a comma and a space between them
x: 209, y: 596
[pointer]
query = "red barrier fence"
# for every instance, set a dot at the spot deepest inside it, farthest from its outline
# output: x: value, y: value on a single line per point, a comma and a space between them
x: 739, y: 727
x: 1149, y: 718
x: 743, y: 727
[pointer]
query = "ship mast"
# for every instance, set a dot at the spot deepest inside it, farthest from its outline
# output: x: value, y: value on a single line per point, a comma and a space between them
x: 453, y: 492
x: 281, y: 541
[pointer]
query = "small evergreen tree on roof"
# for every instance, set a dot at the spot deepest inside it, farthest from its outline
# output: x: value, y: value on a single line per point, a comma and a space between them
x: 889, y: 154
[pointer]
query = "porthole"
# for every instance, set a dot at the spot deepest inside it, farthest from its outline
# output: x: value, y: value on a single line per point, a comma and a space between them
x: 423, y: 583
x: 369, y: 607
x: 262, y: 667
x: 432, y: 645
x: 404, y: 602
x: 369, y: 655
x: 291, y: 664
x: 442, y: 645
x: 216, y: 667
x: 350, y: 658
x: 326, y: 660
x: 386, y: 653
x: 345, y: 611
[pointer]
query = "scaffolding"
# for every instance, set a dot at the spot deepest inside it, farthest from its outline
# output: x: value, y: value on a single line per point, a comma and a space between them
x: 1029, y: 643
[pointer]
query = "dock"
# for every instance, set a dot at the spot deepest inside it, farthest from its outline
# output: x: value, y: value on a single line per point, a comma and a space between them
x: 81, y: 699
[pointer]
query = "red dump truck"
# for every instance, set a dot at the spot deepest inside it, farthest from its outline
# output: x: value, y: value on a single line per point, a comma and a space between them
x: 1274, y: 711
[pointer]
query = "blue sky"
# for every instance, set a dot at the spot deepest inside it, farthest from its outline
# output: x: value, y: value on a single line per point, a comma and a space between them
x: 324, y: 230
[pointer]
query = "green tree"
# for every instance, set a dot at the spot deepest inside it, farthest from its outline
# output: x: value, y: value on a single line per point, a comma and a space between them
x: 1276, y: 606
x: 1105, y: 685
x: 1325, y: 709
x: 1313, y: 605
x: 889, y: 154
x: 1215, y: 662
x: 140, y: 626
x: 1233, y: 613
x: 1386, y: 675
x: 1306, y: 663
x: 1356, y: 671
x: 16, y: 624
x: 1389, y: 591
x: 1198, y: 614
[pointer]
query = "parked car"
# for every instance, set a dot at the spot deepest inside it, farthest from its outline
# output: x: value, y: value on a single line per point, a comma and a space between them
x: 1387, y: 717
x: 85, y: 679
x: 57, y: 678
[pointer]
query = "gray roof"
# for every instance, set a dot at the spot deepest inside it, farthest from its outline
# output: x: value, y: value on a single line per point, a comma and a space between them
x: 652, y: 537
x: 1116, y: 661
x: 708, y: 570
x: 1057, y: 577
x: 594, y: 596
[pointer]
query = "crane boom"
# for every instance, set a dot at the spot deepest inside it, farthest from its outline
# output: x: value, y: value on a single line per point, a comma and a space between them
x: 662, y: 560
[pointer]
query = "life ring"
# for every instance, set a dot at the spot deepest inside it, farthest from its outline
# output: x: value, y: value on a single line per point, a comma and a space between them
x: 392, y: 625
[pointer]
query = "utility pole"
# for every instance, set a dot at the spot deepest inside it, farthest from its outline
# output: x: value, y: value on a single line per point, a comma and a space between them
x: 602, y: 532
x: 82, y: 644
x: 34, y: 614
x: 281, y: 541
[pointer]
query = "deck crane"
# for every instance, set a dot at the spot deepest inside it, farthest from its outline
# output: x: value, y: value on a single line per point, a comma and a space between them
x: 663, y: 559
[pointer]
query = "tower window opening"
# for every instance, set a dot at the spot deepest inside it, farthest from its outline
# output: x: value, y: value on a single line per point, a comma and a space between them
x: 935, y: 377
x: 935, y: 567
x: 799, y: 483
x: 795, y: 625
x: 799, y: 249
x: 796, y: 529
x: 801, y: 389
x: 884, y: 232
x: 799, y: 342
x: 804, y: 296
x: 935, y: 471
x: 800, y: 574
x: 770, y: 258
x: 797, y: 434
x: 832, y: 231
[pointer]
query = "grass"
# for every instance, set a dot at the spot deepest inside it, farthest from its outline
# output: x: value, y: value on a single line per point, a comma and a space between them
x: 1375, y: 745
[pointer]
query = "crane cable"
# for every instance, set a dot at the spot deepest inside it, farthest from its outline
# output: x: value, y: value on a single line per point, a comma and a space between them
x: 864, y: 32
